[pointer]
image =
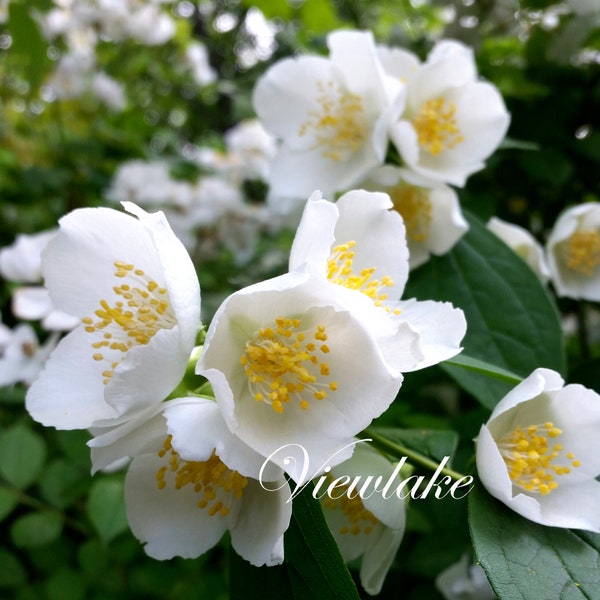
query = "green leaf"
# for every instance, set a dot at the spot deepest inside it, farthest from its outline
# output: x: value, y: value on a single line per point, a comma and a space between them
x: 527, y: 561
x: 480, y: 366
x: 431, y: 443
x: 22, y: 456
x: 8, y: 500
x: 66, y: 584
x: 106, y: 508
x: 35, y: 529
x: 512, y: 322
x: 12, y: 573
x: 61, y: 483
x: 313, y: 566
x: 271, y: 9
x: 319, y: 16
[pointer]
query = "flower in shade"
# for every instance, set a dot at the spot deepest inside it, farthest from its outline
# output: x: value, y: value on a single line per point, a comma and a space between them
x: 135, y: 290
x: 359, y: 243
x: 190, y: 480
x: 431, y: 211
x: 331, y: 115
x: 539, y: 452
x: 365, y: 525
x: 573, y: 252
x: 464, y: 580
x: 523, y: 243
x: 452, y: 121
x: 298, y: 360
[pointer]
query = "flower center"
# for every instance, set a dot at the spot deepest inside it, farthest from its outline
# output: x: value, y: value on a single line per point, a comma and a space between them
x: 436, y: 126
x: 413, y: 204
x: 582, y: 252
x: 339, y: 270
x: 283, y: 362
x: 142, y: 310
x: 532, y: 460
x: 340, y: 127
x: 217, y: 484
x: 360, y: 519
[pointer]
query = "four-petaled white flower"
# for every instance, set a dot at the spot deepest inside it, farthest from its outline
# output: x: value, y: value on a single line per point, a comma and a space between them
x: 452, y: 121
x: 573, y: 252
x: 190, y: 480
x: 365, y: 524
x: 135, y: 289
x: 523, y: 243
x: 299, y: 360
x: 539, y: 452
x: 331, y: 114
x: 431, y: 211
x: 359, y: 243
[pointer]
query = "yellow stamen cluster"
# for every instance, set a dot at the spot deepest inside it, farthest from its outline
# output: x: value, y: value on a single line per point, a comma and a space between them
x: 210, y: 478
x: 339, y: 270
x: 283, y: 362
x: 141, y: 311
x: 582, y: 251
x: 340, y: 127
x: 530, y: 457
x: 360, y: 519
x: 413, y: 204
x: 436, y: 126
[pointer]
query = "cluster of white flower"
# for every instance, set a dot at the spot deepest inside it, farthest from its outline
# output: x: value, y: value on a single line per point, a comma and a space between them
x: 276, y: 356
x: 211, y: 211
x: 571, y: 255
x: 336, y: 118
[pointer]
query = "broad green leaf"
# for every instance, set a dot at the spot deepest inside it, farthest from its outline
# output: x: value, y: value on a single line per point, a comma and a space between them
x: 479, y: 366
x: 66, y: 584
x: 271, y: 9
x: 527, y: 561
x: 8, y: 500
x: 319, y: 16
x: 61, y: 483
x: 12, y: 573
x: 313, y: 567
x: 106, y: 508
x: 35, y: 529
x: 22, y: 456
x: 431, y: 443
x: 512, y: 322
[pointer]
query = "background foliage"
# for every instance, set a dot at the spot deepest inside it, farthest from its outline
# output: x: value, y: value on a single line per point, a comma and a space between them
x: 64, y: 534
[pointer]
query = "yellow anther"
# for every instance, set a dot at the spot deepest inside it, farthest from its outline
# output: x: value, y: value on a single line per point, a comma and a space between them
x: 414, y: 205
x: 436, y: 126
x: 582, y: 252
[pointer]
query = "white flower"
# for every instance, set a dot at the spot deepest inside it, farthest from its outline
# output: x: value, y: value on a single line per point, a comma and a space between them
x: 108, y: 90
x: 573, y: 251
x: 539, y: 452
x: 523, y: 243
x: 196, y: 55
x: 298, y: 360
x: 452, y: 121
x: 430, y: 210
x: 371, y: 528
x: 21, y: 356
x: 133, y: 286
x: 331, y: 114
x: 32, y: 303
x: 360, y: 244
x: 464, y: 581
x: 191, y: 480
x: 22, y: 260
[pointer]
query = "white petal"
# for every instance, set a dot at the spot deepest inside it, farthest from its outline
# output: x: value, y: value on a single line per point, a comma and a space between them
x: 31, y: 303
x: 573, y: 506
x: 378, y: 558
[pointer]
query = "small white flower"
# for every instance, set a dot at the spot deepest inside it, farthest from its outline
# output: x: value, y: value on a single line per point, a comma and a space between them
x: 539, y: 452
x: 32, y: 303
x: 108, y: 90
x: 371, y: 528
x: 431, y: 211
x: 22, y: 260
x: 523, y: 243
x: 464, y: 581
x: 331, y: 114
x: 196, y: 55
x: 191, y: 480
x: 360, y: 244
x: 452, y: 121
x: 21, y: 356
x: 573, y: 251
x: 299, y: 360
x: 135, y: 289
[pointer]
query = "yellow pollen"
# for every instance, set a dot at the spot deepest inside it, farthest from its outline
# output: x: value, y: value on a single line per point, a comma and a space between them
x: 359, y: 519
x: 280, y: 367
x: 340, y: 271
x: 340, y: 125
x: 436, y: 126
x: 582, y: 252
x: 413, y: 204
x: 531, y: 460
x: 137, y: 312
x: 217, y: 485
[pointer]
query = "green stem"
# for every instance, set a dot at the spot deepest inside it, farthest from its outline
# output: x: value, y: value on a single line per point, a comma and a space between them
x: 414, y: 457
